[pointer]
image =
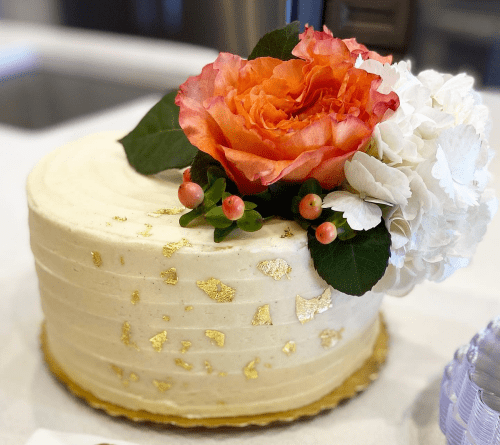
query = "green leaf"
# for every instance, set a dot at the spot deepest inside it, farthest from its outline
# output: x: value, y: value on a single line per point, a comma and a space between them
x: 251, y: 221
x: 215, y: 217
x: 214, y: 194
x: 353, y: 266
x: 278, y: 43
x: 220, y: 234
x: 187, y: 218
x: 158, y: 143
x: 250, y: 205
x: 310, y: 185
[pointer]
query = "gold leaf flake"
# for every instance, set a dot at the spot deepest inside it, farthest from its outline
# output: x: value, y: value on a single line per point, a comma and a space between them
x: 145, y: 233
x: 134, y: 377
x: 158, y: 340
x: 162, y: 386
x: 208, y: 367
x: 120, y: 218
x: 118, y: 371
x: 250, y: 371
x: 166, y: 318
x: 222, y: 374
x: 171, y: 248
x: 220, y: 402
x: 125, y: 337
x: 276, y: 269
x: 96, y: 258
x: 216, y: 337
x: 217, y: 290
x: 135, y: 297
x: 330, y: 337
x: 290, y: 348
x: 188, y: 308
x: 125, y: 383
x: 185, y: 346
x: 307, y: 309
x: 122, y: 260
x: 170, y: 276
x: 288, y: 233
x: 262, y: 316
x: 108, y: 224
x: 171, y: 211
x: 268, y: 365
x: 183, y: 364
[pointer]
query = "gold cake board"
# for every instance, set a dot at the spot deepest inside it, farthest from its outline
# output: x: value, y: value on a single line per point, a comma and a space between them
x: 354, y: 384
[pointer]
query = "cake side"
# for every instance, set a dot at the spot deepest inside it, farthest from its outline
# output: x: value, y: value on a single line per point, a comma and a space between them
x: 148, y: 315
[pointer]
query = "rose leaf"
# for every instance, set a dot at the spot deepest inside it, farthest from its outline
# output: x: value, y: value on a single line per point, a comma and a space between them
x: 355, y: 265
x: 158, y: 143
x: 278, y: 43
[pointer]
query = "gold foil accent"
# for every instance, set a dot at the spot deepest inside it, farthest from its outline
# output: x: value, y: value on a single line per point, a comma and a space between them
x: 262, y: 316
x: 96, y: 258
x: 217, y: 337
x: 220, y: 402
x: 162, y: 386
x: 125, y: 383
x: 288, y: 233
x: 120, y: 218
x: 108, y: 224
x: 171, y: 248
x: 208, y: 367
x: 330, y: 337
x: 222, y: 374
x: 134, y: 377
x: 135, y: 297
x: 122, y: 260
x: 250, y: 371
x: 217, y: 290
x: 118, y: 371
x: 125, y: 337
x: 166, y: 318
x: 268, y: 365
x: 307, y: 309
x: 188, y: 308
x: 171, y: 211
x: 275, y: 269
x: 158, y: 340
x: 353, y: 385
x: 185, y: 346
x: 147, y: 232
x: 183, y: 364
x: 223, y: 248
x: 170, y: 276
x: 290, y: 348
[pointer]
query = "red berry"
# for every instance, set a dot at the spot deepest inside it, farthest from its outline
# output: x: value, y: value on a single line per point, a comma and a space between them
x: 233, y: 207
x: 186, y: 175
x: 310, y: 206
x: 326, y: 233
x: 190, y: 194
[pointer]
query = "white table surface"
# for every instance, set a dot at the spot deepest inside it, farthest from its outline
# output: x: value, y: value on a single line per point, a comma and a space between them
x: 426, y: 327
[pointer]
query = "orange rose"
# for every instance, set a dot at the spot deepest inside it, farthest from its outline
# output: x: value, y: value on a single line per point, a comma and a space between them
x: 268, y: 119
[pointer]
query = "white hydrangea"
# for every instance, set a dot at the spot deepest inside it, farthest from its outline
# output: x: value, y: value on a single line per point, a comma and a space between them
x: 429, y: 161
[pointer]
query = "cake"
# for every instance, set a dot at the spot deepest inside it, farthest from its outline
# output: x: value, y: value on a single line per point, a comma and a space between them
x: 227, y: 258
x: 151, y: 316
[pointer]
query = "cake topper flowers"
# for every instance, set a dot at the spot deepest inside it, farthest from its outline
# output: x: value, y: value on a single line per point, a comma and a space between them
x: 386, y: 171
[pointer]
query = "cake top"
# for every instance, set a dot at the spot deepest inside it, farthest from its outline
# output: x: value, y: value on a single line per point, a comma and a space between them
x: 385, y: 171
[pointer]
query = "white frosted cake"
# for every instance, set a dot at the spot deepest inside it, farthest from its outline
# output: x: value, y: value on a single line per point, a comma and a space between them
x: 147, y: 315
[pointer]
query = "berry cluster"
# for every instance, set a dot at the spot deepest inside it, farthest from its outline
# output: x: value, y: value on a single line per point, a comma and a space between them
x: 310, y: 209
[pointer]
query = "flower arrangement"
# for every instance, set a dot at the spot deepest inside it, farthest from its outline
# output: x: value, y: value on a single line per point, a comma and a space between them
x: 385, y: 170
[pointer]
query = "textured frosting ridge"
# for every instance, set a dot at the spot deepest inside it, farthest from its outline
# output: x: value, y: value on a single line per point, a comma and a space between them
x: 148, y: 315
x: 469, y: 411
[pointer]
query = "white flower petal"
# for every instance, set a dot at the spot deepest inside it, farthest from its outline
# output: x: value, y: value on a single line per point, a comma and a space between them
x: 360, y: 215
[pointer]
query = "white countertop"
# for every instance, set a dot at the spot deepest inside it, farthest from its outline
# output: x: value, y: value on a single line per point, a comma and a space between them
x: 426, y: 328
